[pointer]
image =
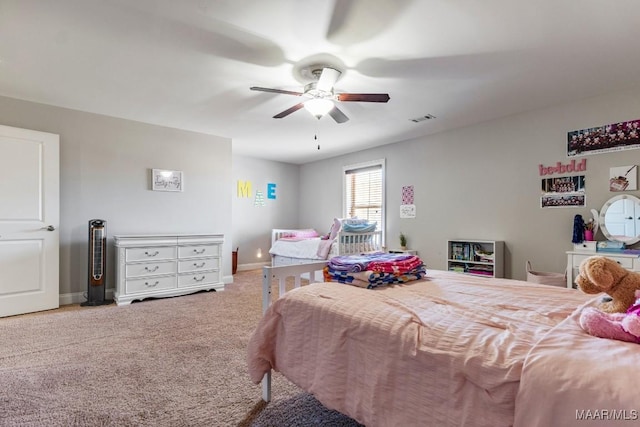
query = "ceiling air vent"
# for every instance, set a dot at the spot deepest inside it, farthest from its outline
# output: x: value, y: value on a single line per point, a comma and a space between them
x: 423, y: 118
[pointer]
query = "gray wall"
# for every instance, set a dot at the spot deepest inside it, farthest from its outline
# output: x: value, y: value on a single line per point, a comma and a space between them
x: 252, y: 224
x: 480, y: 182
x: 483, y: 182
x: 105, y: 167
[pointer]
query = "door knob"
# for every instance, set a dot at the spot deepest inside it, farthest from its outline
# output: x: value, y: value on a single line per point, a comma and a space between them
x: 48, y: 228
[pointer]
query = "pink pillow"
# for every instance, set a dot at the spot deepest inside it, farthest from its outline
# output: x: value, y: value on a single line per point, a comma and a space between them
x: 335, y: 228
x: 305, y: 234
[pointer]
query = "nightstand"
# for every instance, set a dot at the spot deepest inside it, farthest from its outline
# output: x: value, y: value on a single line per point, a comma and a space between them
x: 629, y: 261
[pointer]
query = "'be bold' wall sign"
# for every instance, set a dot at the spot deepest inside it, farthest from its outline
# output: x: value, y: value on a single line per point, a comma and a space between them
x: 570, y: 167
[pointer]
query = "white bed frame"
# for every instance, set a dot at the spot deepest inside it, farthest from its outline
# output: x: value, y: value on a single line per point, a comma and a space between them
x: 347, y: 243
x: 280, y: 274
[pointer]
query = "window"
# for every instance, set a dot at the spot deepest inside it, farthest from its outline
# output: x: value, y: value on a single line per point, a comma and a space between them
x: 364, y: 192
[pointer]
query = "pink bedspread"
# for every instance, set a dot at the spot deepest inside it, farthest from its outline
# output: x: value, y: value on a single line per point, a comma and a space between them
x: 571, y: 378
x: 445, y: 351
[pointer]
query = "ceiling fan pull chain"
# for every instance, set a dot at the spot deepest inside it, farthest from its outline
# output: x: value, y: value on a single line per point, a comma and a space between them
x: 315, y: 137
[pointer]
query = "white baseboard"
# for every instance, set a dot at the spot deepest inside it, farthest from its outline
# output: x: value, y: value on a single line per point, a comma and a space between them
x: 79, y: 297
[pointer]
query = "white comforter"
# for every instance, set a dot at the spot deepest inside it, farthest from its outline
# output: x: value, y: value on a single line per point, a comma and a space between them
x: 305, y: 248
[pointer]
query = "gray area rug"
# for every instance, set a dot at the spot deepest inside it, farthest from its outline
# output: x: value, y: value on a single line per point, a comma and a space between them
x: 164, y: 362
x: 301, y: 410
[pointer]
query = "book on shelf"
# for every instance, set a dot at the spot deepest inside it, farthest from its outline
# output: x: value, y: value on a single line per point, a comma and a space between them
x: 457, y: 251
x: 461, y: 251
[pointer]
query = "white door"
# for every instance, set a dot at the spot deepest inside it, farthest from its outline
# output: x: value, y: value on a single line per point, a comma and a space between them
x: 29, y: 218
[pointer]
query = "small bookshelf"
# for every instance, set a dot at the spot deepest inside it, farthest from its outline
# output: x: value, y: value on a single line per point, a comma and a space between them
x: 476, y: 257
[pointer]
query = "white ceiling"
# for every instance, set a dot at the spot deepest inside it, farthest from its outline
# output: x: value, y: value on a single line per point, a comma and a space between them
x: 189, y: 64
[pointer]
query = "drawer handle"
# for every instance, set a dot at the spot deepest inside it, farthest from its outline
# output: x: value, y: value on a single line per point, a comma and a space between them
x: 151, y: 270
x: 195, y: 251
x: 199, y: 280
x: 199, y: 265
x: 151, y: 286
x: 153, y: 254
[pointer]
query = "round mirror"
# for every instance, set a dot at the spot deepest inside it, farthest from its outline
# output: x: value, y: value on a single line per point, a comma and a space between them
x: 620, y: 219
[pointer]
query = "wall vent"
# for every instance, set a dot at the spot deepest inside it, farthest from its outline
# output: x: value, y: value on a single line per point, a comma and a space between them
x: 423, y: 118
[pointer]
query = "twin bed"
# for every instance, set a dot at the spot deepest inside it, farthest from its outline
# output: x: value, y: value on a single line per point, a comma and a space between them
x: 447, y: 350
x: 296, y: 246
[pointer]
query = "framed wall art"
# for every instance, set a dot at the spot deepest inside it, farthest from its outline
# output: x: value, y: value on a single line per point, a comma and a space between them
x: 563, y: 192
x: 604, y: 139
x: 623, y: 178
x: 166, y: 180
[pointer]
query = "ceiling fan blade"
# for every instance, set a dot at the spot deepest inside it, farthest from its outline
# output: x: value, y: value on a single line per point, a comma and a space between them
x: 328, y: 78
x: 337, y: 115
x: 363, y: 97
x: 266, y: 89
x: 285, y: 113
x: 356, y: 21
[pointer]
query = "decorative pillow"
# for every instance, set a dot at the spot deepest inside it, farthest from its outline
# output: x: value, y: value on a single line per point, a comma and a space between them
x: 335, y: 228
x: 354, y: 221
x: 306, y: 233
x: 364, y: 227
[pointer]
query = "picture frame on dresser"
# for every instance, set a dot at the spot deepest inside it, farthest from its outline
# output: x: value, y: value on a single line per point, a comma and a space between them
x: 167, y: 180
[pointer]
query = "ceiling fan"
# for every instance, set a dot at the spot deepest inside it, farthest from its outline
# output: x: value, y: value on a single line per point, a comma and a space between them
x: 322, y: 95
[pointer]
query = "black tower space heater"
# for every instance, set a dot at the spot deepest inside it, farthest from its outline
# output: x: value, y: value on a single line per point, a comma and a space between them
x: 97, y: 263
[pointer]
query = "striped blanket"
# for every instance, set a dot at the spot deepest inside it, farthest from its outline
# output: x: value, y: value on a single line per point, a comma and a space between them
x: 372, y: 279
x: 378, y: 262
x: 373, y: 270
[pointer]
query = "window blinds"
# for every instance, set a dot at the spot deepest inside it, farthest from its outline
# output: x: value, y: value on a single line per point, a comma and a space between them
x: 363, y: 193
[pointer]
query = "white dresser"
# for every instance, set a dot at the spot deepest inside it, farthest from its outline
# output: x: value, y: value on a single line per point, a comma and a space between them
x: 167, y: 265
x: 574, y: 258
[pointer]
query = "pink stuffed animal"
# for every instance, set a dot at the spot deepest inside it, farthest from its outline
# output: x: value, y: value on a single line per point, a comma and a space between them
x: 617, y: 326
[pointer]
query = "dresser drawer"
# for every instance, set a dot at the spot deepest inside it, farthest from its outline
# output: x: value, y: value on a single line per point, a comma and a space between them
x: 166, y: 265
x: 150, y: 269
x: 195, y: 279
x: 150, y: 284
x: 625, y: 262
x: 577, y: 259
x: 193, y: 265
x: 196, y: 251
x: 151, y: 253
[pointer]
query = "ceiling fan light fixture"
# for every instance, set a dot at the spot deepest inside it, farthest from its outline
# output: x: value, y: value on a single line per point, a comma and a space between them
x: 318, y: 107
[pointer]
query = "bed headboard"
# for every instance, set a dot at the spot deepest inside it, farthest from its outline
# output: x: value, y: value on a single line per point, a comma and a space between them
x: 277, y: 233
x: 347, y: 242
x: 353, y: 243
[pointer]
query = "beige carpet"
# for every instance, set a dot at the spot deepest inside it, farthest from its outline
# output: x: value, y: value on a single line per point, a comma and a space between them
x: 164, y: 362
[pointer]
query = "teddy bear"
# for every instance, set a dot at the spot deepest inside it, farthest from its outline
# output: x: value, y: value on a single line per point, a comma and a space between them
x: 602, y: 274
x: 617, y: 326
